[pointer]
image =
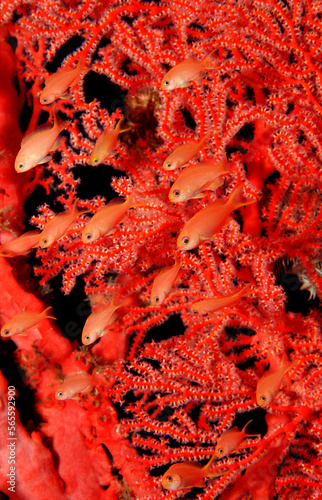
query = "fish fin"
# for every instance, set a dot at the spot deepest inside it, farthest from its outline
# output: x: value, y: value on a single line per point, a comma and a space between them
x: 184, y: 85
x: 65, y: 95
x: 199, y: 195
x: 217, y: 183
x: 199, y: 76
x: 59, y: 122
x: 22, y: 334
x: 206, y: 59
x: 237, y: 198
x: 45, y: 313
x: 45, y: 160
x: 217, y: 474
x: 58, y: 143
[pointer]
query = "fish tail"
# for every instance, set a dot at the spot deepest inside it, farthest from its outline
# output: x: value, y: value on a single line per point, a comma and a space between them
x: 75, y: 210
x: 213, y: 474
x: 119, y: 124
x: 249, y: 434
x: 201, y: 143
x: 286, y: 364
x: 59, y: 122
x: 247, y: 290
x: 206, y: 63
x: 46, y: 315
x: 237, y: 199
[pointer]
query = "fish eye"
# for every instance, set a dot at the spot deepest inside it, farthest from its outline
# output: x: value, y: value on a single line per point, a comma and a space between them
x: 60, y: 394
x: 176, y: 193
x: 6, y: 332
x: 87, y: 338
x: 263, y: 398
x: 185, y: 240
x: 168, y: 164
x: 95, y: 160
x: 220, y: 451
x: 44, y: 100
x: 166, y: 82
x: 20, y: 165
x: 44, y: 241
x: 169, y: 479
x: 88, y: 236
x: 156, y: 299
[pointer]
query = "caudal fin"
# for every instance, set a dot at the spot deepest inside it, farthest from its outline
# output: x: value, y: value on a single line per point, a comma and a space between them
x: 238, y: 200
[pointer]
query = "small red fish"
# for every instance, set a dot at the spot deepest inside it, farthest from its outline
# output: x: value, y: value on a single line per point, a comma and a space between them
x: 21, y: 245
x: 73, y: 385
x: 187, y: 475
x: 98, y: 321
x: 183, y: 154
x: 270, y: 383
x: 211, y: 305
x: 57, y: 226
x: 163, y: 283
x: 104, y: 221
x: 198, y: 178
x: 230, y: 440
x: 36, y: 145
x: 106, y: 143
x: 182, y: 74
x: 56, y: 85
x: 22, y: 321
x: 205, y: 224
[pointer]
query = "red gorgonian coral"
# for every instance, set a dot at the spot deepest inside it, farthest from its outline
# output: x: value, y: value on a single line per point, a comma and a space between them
x: 167, y: 382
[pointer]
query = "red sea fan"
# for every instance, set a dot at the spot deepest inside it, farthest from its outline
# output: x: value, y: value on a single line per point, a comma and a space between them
x: 169, y: 381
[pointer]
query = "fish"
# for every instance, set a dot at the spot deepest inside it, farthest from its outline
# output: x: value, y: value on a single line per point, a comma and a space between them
x: 163, y: 283
x: 209, y: 221
x: 197, y: 178
x: 215, y: 304
x: 21, y: 245
x: 270, y: 383
x: 98, y: 321
x: 230, y: 440
x: 36, y: 145
x: 183, y: 154
x: 57, y: 226
x: 106, y: 144
x: 57, y: 84
x: 187, y: 475
x: 104, y: 220
x: 182, y: 74
x: 73, y: 385
x: 22, y: 321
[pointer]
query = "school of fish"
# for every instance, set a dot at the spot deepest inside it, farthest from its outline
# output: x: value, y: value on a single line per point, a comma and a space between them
x: 192, y: 182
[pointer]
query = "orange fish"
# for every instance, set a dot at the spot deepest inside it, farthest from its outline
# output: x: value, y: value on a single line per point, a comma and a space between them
x: 57, y: 226
x: 181, y: 75
x: 36, y: 146
x: 105, y: 219
x: 197, y: 178
x: 211, y: 305
x: 73, y: 385
x: 98, y: 321
x: 106, y: 144
x: 56, y: 85
x: 187, y: 475
x: 209, y: 221
x: 184, y: 153
x: 163, y: 283
x: 21, y: 245
x: 230, y: 440
x: 270, y: 383
x: 22, y: 321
